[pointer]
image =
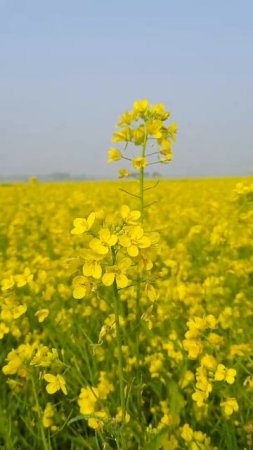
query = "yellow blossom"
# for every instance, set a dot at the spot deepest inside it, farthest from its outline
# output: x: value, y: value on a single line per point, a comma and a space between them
x: 223, y: 373
x: 98, y: 420
x: 130, y: 217
x: 55, y: 383
x: 117, y: 273
x: 42, y: 314
x: 114, y: 155
x: 229, y: 406
x: 105, y: 241
x: 139, y: 162
x: 134, y: 239
x: 141, y: 106
x: 81, y: 287
x: 123, y: 173
x: 83, y: 225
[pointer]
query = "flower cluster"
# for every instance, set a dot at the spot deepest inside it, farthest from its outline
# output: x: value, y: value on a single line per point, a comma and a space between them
x: 145, y: 127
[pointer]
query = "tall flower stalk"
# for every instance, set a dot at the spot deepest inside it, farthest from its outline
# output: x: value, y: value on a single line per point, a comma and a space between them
x: 118, y: 256
x: 145, y: 127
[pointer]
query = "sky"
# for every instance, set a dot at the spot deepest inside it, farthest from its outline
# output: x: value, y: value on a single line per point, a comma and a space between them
x: 68, y: 69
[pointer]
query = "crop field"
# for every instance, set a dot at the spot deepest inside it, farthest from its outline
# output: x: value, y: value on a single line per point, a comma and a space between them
x: 126, y: 332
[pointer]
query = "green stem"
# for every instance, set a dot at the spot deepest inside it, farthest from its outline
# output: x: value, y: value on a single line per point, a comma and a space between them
x: 138, y: 287
x: 43, y: 436
x: 141, y: 179
x: 119, y: 342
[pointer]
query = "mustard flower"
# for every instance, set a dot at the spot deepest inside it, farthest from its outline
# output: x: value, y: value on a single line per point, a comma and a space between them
x: 83, y: 225
x: 123, y: 173
x: 105, y: 241
x: 81, y: 287
x: 117, y: 273
x: 87, y: 400
x: 139, y: 162
x: 229, y: 406
x: 55, y: 383
x: 124, y: 135
x: 42, y: 314
x: 154, y: 128
x: 97, y: 421
x: 4, y: 329
x: 114, y: 155
x: 141, y: 106
x: 129, y: 217
x: 223, y: 373
x: 134, y: 239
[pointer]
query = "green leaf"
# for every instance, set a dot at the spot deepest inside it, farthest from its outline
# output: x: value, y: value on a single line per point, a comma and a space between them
x: 76, y: 419
x: 176, y: 400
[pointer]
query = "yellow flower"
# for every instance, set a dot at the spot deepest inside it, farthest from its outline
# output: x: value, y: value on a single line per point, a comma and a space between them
x: 209, y: 362
x: 154, y: 128
x: 159, y: 111
x: 97, y: 422
x: 126, y: 118
x: 87, y: 400
x: 18, y: 311
x: 222, y: 373
x: 105, y: 241
x: 139, y: 162
x: 117, y: 273
x: 166, y: 147
x: 139, y: 135
x: 229, y: 406
x: 119, y: 416
x: 105, y: 387
x: 55, y: 383
x: 114, y: 155
x: 48, y: 415
x: 83, y: 225
x: 42, y: 314
x: 173, y: 131
x: 4, y: 329
x: 81, y: 286
x: 167, y: 158
x: 124, y: 135
x: 194, y: 347
x: 199, y: 397
x: 186, y: 379
x: 25, y: 278
x: 7, y: 283
x: 130, y: 217
x: 187, y: 433
x: 134, y: 240
x: 141, y: 106
x: 123, y: 173
x: 92, y: 268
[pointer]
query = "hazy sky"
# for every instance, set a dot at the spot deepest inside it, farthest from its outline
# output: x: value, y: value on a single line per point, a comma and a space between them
x: 68, y: 69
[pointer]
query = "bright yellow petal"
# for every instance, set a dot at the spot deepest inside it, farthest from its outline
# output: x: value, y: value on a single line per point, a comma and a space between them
x: 79, y: 292
x: 104, y: 234
x: 124, y: 211
x: 96, y: 271
x: 124, y: 241
x: 108, y: 278
x: 113, y: 240
x: 52, y: 388
x: 122, y: 280
x: 90, y: 220
x: 50, y: 378
x: 144, y: 242
x: 133, y: 251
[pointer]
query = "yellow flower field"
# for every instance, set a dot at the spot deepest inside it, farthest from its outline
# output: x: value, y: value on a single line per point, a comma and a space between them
x: 123, y: 333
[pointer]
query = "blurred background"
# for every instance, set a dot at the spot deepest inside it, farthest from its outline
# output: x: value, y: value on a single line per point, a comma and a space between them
x: 69, y: 69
